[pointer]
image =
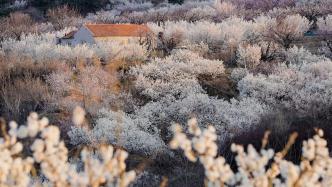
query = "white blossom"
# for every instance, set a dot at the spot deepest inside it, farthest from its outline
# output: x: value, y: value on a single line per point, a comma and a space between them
x: 255, y: 168
x: 51, y: 155
x: 300, y: 87
x: 325, y: 23
x: 249, y: 56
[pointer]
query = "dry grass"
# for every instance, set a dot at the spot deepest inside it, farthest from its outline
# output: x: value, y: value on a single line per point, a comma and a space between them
x: 23, y: 88
x: 22, y: 96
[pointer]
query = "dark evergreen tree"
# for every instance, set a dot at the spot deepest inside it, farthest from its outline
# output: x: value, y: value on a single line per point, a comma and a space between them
x: 176, y: 1
x: 85, y: 6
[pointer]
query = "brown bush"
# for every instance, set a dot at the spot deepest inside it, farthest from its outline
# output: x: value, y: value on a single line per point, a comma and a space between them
x: 15, y: 25
x: 21, y: 96
x: 88, y: 86
x: 23, y: 88
x: 12, y: 67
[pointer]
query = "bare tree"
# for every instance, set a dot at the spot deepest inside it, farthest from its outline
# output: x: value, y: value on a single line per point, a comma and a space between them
x: 63, y: 16
x: 289, y: 29
x: 15, y: 25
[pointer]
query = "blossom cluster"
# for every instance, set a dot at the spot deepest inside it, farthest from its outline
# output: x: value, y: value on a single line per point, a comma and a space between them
x: 255, y: 168
x: 249, y: 56
x: 325, y: 26
x: 301, y: 86
x: 38, y: 145
x: 236, y: 37
x: 174, y: 75
x: 132, y: 133
x: 325, y: 23
x: 204, y: 148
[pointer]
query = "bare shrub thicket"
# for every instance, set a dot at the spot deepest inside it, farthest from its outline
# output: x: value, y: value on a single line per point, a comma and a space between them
x: 23, y: 87
x: 24, y: 95
x: 15, y: 25
x: 63, y: 16
x: 90, y: 88
x: 289, y: 29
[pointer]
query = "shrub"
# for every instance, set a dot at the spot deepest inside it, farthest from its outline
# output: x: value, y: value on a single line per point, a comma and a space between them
x: 303, y: 88
x: 290, y: 29
x: 299, y: 55
x: 171, y: 92
x: 249, y: 56
x: 312, y: 9
x: 23, y: 86
x: 175, y: 75
x: 90, y: 88
x: 224, y: 36
x: 325, y: 23
x: 224, y: 8
x: 117, y: 128
x: 324, y: 26
x: 238, y: 74
x: 23, y: 95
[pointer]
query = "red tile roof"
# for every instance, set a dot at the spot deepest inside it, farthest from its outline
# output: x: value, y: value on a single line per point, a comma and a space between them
x: 106, y: 30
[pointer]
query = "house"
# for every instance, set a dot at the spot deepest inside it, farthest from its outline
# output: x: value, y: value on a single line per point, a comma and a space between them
x: 94, y: 33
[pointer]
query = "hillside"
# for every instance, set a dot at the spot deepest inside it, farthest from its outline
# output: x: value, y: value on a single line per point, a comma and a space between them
x: 152, y: 93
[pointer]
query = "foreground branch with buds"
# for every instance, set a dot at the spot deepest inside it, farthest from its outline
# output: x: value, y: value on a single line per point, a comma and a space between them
x: 34, y: 155
x: 262, y: 168
x: 48, y: 153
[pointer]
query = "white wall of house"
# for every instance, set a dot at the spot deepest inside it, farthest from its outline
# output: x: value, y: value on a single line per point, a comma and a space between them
x: 120, y: 39
x: 82, y: 36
